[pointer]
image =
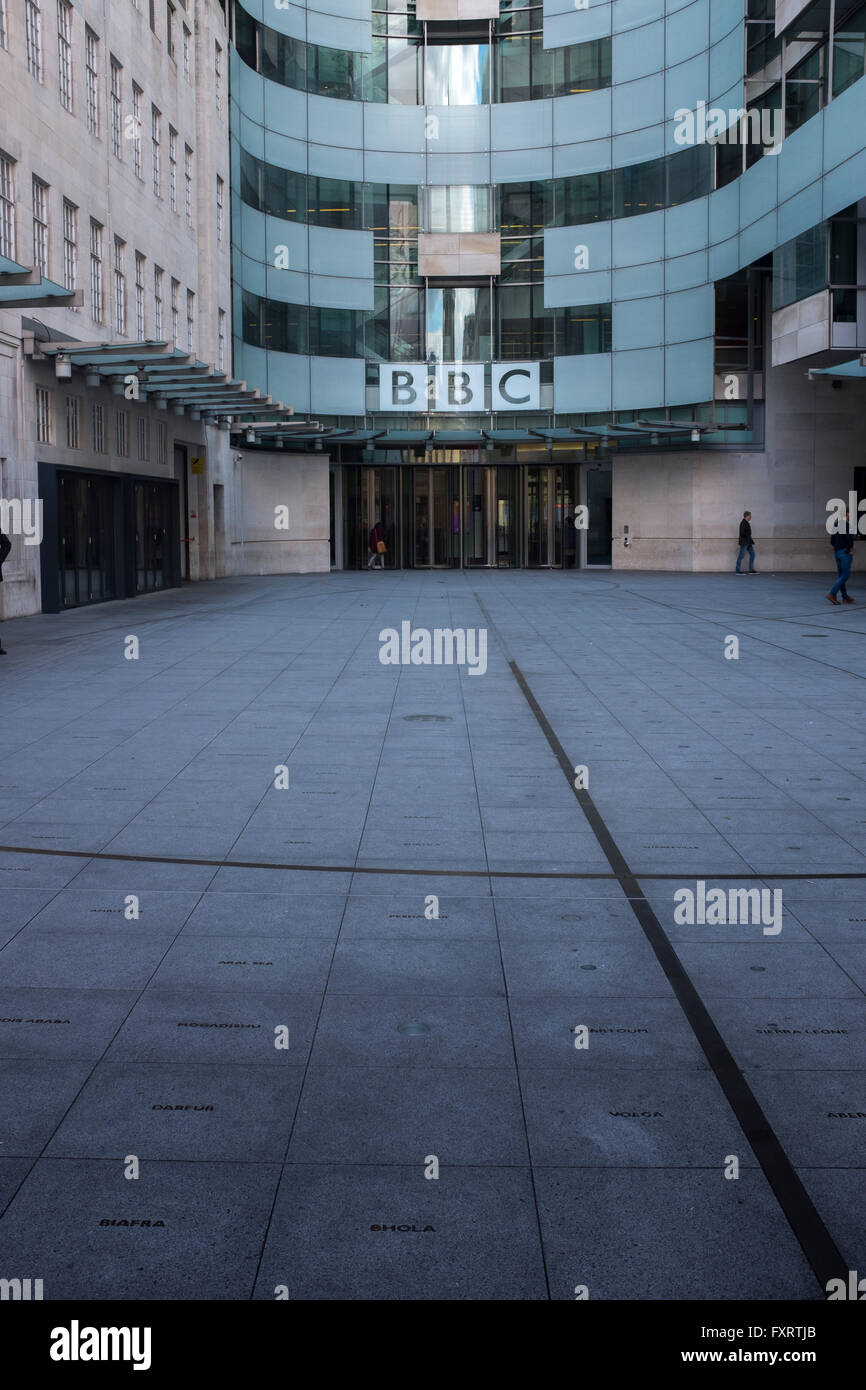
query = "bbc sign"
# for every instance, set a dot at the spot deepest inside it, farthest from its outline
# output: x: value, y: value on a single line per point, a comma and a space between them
x: 415, y: 388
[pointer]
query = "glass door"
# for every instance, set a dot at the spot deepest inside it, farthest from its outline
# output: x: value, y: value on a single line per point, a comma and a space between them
x: 87, y: 510
x: 598, y: 494
x: 477, y: 517
x: 434, y: 519
x: 538, y: 528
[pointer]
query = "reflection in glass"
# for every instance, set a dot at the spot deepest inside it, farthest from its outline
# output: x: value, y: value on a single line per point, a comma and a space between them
x: 458, y: 323
x: 849, y: 51
x: 457, y: 74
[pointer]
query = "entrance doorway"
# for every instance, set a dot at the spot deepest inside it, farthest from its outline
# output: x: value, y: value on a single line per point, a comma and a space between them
x: 490, y: 512
x: 155, y: 536
x: 87, y: 509
x: 597, y: 539
x: 549, y: 535
x: 435, y: 518
x: 475, y: 515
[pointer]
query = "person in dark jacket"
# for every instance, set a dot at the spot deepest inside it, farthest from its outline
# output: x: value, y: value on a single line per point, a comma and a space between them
x: 5, y: 547
x: 746, y: 544
x: 842, y: 541
x: 377, y: 538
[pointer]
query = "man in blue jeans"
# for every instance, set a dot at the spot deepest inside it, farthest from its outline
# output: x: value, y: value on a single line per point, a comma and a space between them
x: 842, y: 542
x: 746, y: 543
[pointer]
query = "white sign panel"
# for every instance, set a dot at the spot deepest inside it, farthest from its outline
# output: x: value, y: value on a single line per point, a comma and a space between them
x: 413, y: 388
x: 515, y: 386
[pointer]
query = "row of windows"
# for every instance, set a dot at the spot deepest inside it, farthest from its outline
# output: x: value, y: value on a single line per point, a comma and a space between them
x: 402, y: 68
x: 126, y: 126
x: 116, y: 311
x: 523, y: 208
x: 148, y: 440
x: 34, y: 39
x: 454, y: 323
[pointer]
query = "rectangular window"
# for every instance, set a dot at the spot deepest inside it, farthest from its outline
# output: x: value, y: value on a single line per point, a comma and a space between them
x: 187, y: 54
x: 119, y: 286
x: 70, y: 245
x: 157, y: 301
x: 155, y: 132
x: 143, y: 432
x: 172, y: 168
x: 73, y: 422
x: 7, y: 206
x: 187, y: 181
x: 220, y: 204
x: 218, y: 76
x: 116, y: 95
x: 136, y: 137
x: 40, y: 225
x: 121, y: 433
x: 221, y: 340
x: 96, y: 291
x: 190, y: 321
x: 91, y: 71
x: 64, y: 52
x: 33, y: 33
x: 175, y: 313
x: 140, y: 314
x: 161, y: 442
x: 97, y: 421
x: 3, y: 28
x: 169, y: 29
x: 43, y: 415
x: 152, y: 7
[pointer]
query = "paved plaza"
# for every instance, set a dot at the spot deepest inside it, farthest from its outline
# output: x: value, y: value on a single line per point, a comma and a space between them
x: 320, y: 978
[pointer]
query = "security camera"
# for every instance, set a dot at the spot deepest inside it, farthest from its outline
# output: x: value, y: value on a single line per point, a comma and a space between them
x: 237, y: 458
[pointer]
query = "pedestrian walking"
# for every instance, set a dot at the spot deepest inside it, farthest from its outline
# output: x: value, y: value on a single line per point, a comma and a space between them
x: 377, y: 546
x: 5, y: 547
x: 746, y: 544
x: 842, y: 541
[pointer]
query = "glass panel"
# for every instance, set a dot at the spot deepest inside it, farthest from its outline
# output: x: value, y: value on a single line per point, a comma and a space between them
x: 458, y: 323
x: 513, y: 68
x: 600, y: 528
x: 639, y: 188
x: 459, y: 208
x: 444, y: 538
x: 800, y: 267
x: 584, y: 198
x: 536, y: 517
x: 422, y: 516
x: 457, y: 74
x: 506, y: 516
x: 803, y: 89
x: 475, y: 494
x: 690, y: 174
x: 582, y: 329
x: 849, y: 51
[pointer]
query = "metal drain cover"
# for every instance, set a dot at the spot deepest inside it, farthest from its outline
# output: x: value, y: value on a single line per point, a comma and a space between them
x: 428, y: 718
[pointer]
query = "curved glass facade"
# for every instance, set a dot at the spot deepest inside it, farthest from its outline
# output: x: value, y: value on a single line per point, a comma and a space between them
x: 499, y: 62
x: 536, y: 187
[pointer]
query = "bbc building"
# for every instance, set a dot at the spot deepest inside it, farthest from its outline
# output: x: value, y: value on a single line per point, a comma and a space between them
x: 508, y: 259
x: 561, y: 285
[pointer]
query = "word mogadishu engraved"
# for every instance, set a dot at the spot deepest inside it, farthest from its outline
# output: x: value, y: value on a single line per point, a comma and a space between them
x: 445, y: 646
x: 743, y: 906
